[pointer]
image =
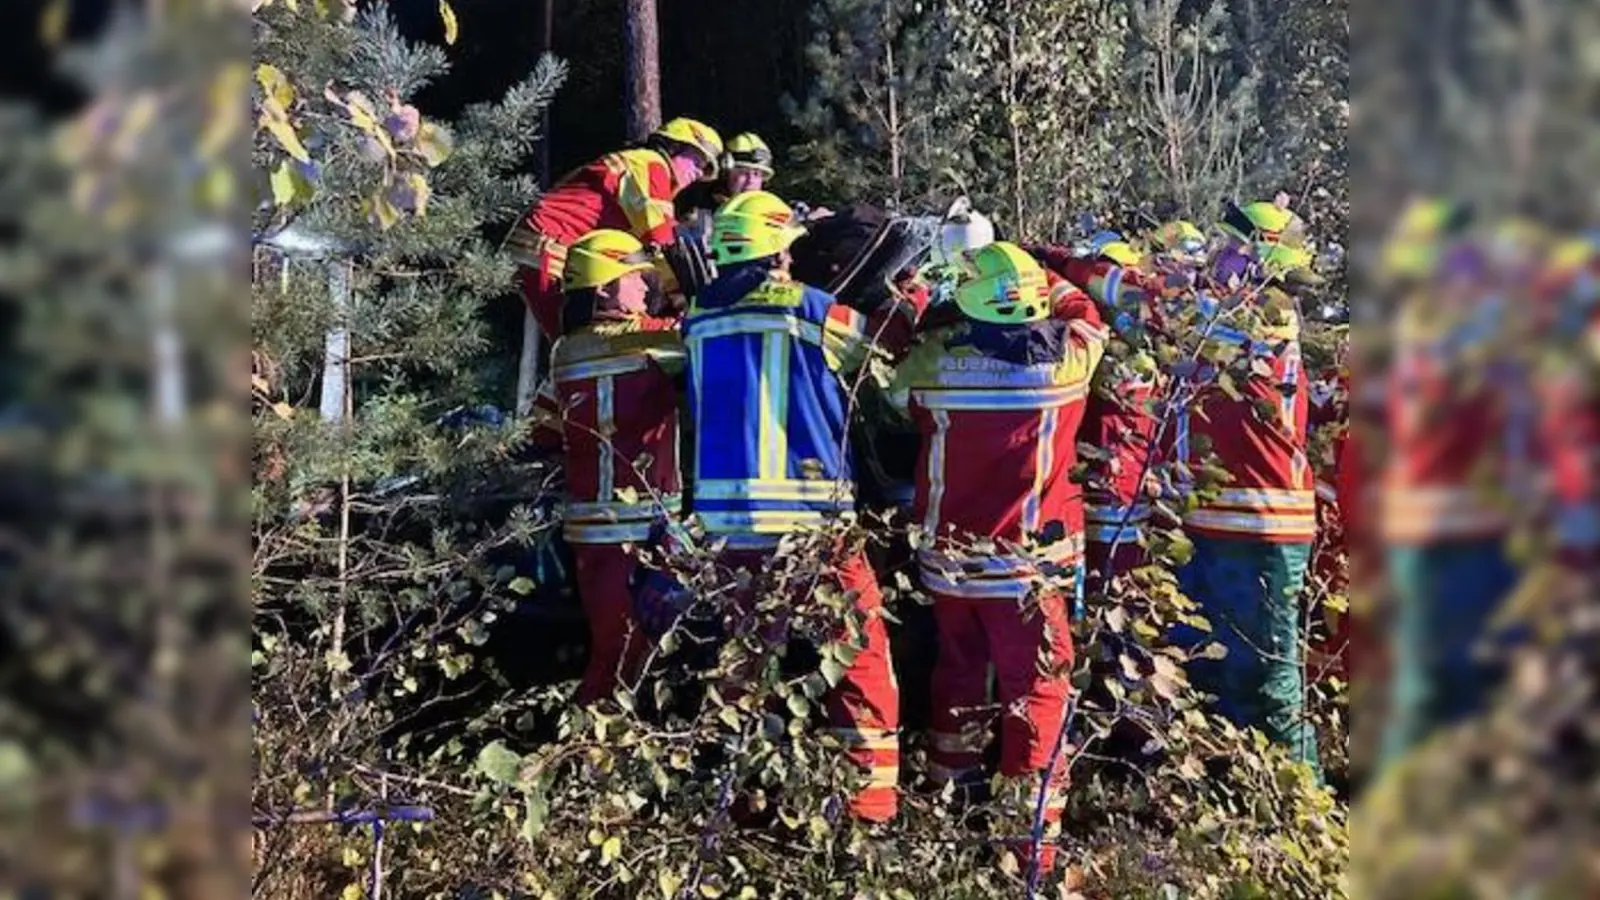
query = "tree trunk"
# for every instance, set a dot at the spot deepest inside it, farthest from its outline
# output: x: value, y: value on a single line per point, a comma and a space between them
x: 894, y: 118
x: 643, y: 72
x: 546, y: 45
x: 1014, y: 128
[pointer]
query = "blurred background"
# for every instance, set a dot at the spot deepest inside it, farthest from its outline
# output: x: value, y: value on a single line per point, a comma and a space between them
x: 1443, y: 153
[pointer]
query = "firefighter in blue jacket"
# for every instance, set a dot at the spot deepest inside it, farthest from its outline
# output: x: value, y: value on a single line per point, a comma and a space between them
x: 768, y: 363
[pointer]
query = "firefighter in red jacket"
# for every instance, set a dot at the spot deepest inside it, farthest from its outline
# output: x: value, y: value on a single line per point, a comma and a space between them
x: 613, y: 377
x: 1120, y: 421
x: 1461, y: 436
x: 1253, y: 539
x: 998, y: 399
x: 629, y: 190
x: 769, y: 360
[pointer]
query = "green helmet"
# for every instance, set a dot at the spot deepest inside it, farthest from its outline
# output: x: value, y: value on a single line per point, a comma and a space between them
x: 1263, y: 222
x: 752, y: 225
x: 1003, y: 284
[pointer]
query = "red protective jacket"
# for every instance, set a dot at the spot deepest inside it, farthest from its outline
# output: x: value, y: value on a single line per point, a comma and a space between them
x: 999, y: 408
x: 1259, y: 438
x: 614, y: 383
x: 630, y: 190
x: 1119, y: 420
x: 1455, y: 435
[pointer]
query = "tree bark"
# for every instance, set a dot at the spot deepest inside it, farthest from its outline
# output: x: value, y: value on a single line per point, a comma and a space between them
x: 1012, y: 100
x: 894, y: 117
x: 643, y: 70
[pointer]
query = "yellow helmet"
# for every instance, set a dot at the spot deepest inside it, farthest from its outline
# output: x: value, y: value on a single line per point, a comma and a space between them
x: 697, y: 135
x: 752, y: 225
x: 748, y: 151
x: 1263, y: 222
x: 1571, y: 254
x: 601, y: 257
x: 1111, y: 245
x: 1181, y: 237
x: 1417, y: 240
x: 1002, y: 284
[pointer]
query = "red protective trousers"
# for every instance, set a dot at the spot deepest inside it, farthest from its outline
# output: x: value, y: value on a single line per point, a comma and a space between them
x: 1030, y: 648
x: 863, y: 709
x: 616, y: 644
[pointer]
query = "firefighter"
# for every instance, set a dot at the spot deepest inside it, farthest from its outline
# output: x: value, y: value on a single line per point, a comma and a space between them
x: 768, y: 359
x: 998, y: 398
x: 1121, y: 417
x: 629, y: 190
x: 614, y: 373
x: 746, y: 166
x: 1459, y: 439
x: 1252, y: 540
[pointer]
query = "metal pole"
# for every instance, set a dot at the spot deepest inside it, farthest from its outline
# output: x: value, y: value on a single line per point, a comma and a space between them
x: 336, y: 355
x: 528, y: 366
x: 166, y: 346
x: 377, y: 840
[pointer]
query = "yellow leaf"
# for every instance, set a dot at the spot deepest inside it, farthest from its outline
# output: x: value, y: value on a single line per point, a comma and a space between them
x: 226, y: 115
x: 420, y: 193
x: 284, y: 186
x: 353, y: 891
x: 381, y: 212
x: 434, y: 143
x: 610, y: 850
x: 284, y: 410
x: 451, y: 27
x: 275, y: 85
x: 362, y: 112
x: 216, y: 189
x: 140, y: 115
x: 287, y: 138
x: 53, y: 24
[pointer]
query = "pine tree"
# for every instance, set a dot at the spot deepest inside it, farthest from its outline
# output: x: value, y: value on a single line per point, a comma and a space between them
x: 382, y: 524
x: 874, y: 111
x: 121, y: 688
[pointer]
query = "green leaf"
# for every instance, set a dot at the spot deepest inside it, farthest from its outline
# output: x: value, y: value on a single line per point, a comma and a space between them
x: 832, y: 671
x: 381, y: 212
x: 610, y: 850
x: 451, y: 28
x: 498, y: 763
x: 669, y: 883
x: 798, y: 705
x: 523, y: 585
x: 536, y: 810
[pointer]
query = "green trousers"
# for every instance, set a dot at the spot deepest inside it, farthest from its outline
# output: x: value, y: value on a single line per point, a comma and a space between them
x: 1250, y: 592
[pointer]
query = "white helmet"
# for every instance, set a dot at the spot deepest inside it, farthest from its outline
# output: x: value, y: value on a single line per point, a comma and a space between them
x: 963, y: 230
